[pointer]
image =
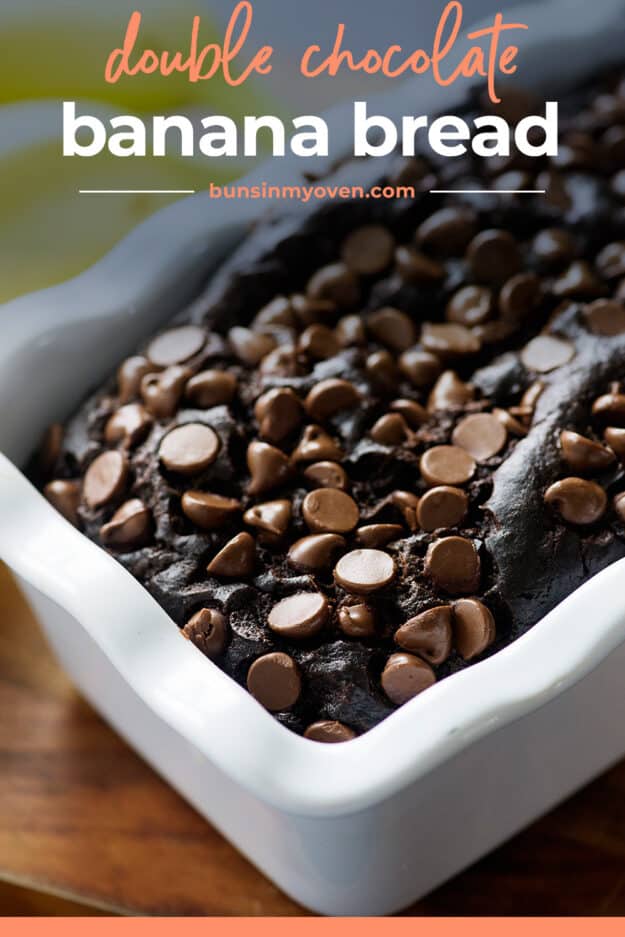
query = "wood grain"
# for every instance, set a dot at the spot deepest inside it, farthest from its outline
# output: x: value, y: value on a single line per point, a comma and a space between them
x: 83, y: 818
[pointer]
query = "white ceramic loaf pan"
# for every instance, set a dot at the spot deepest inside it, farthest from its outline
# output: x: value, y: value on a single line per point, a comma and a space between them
x: 361, y: 828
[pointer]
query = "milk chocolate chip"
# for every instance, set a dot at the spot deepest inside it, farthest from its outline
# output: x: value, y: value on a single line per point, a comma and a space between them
x: 269, y: 467
x: 405, y: 676
x: 473, y: 627
x: 442, y: 507
x: 316, y: 445
x: 605, y: 317
x: 209, y: 511
x: 364, y: 571
x: 329, y: 731
x: 236, y: 559
x: 279, y: 413
x: 272, y: 519
x: 130, y: 425
x: 546, y: 352
x: 447, y: 465
x: 211, y: 388
x: 356, y: 619
x: 368, y: 250
x: 482, y: 435
x: 428, y: 634
x: 318, y: 342
x: 176, y: 346
x: 250, y: 347
x: 274, y: 681
x: 65, y: 497
x: 454, y: 565
x: 208, y: 630
x: 378, y: 535
x: 163, y: 392
x: 471, y: 305
x: 129, y: 527
x: 299, y: 616
x: 329, y: 397
x: 105, y: 479
x: 420, y: 367
x: 584, y: 455
x: 129, y: 376
x: 393, y: 328
x: 329, y: 510
x: 316, y: 552
x: 336, y: 283
x: 189, y: 449
x: 494, y: 256
x: 577, y: 500
x: 449, y: 392
x: 326, y: 475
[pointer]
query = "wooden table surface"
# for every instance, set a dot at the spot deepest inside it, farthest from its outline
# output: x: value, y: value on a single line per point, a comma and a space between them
x: 86, y: 826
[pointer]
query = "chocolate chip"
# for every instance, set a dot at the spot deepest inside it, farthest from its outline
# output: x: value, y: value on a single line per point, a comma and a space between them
x: 318, y: 342
x: 381, y: 369
x: 610, y: 409
x: 189, y: 449
x: 553, y: 247
x: 328, y: 510
x: 129, y: 526
x: 65, y: 497
x: 532, y: 394
x: 277, y: 312
x: 129, y: 376
x: 454, y: 565
x: 482, y: 435
x: 316, y: 552
x: 364, y: 571
x: 272, y: 518
x: 473, y: 627
x: 299, y: 616
x: 176, y: 346
x: 584, y: 455
x: 605, y: 317
x: 393, y: 328
x: 378, y: 535
x: 415, y: 267
x: 412, y: 412
x: 447, y: 465
x: 449, y: 392
x: 236, y: 559
x: 350, y: 331
x: 405, y: 676
x: 442, y: 507
x: 329, y: 731
x: 368, y: 250
x: 316, y: 445
x: 510, y: 422
x: 356, y: 619
x: 326, y: 475
x: 420, y: 367
x: 519, y: 297
x: 162, y: 392
x: 494, y: 256
x: 130, y: 425
x: 274, y: 681
x: 309, y: 311
x: 547, y: 352
x: 211, y: 388
x: 105, y: 479
x: 336, y: 283
x: 250, y: 347
x: 610, y: 261
x: 471, y: 305
x: 279, y: 413
x: 208, y: 630
x: 407, y: 503
x: 447, y: 231
x: 269, y: 467
x: 329, y: 397
x: 281, y: 362
x: 577, y: 282
x: 449, y: 340
x: 391, y: 430
x: 615, y: 438
x: 428, y: 634
x: 209, y: 511
x: 577, y: 500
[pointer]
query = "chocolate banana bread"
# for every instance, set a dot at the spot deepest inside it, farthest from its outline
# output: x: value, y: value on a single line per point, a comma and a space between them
x: 388, y: 437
